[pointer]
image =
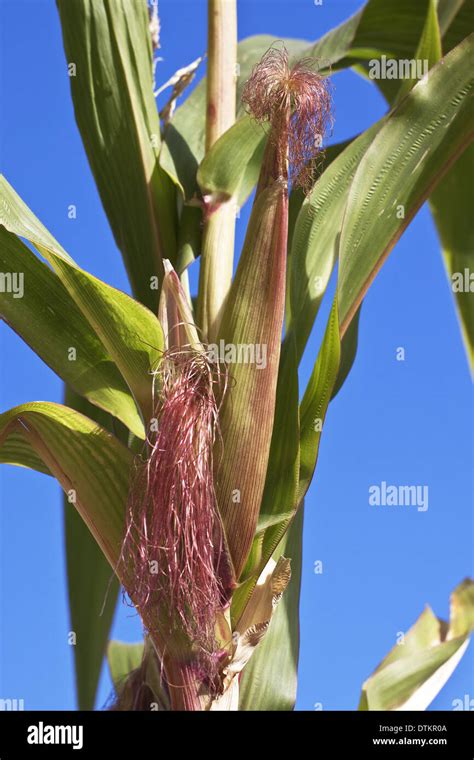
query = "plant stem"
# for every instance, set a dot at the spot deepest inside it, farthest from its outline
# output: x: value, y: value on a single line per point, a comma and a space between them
x: 182, y: 686
x: 219, y: 228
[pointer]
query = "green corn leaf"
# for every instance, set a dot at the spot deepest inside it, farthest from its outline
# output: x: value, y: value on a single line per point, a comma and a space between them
x: 130, y: 333
x: 348, y: 352
x: 231, y: 167
x: 112, y: 89
x: 316, y: 236
x: 47, y: 318
x: 416, y: 669
x: 316, y: 399
x: 16, y: 450
x: 122, y: 659
x: 447, y: 10
x: 415, y: 147
x: 451, y: 207
x: 91, y: 465
x: 92, y: 587
x: 269, y: 682
x: 398, y: 38
x: 145, y: 690
x: 449, y: 202
x: 456, y: 21
x: 429, y: 47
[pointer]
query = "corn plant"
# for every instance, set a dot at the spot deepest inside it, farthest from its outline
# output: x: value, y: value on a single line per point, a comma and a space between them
x: 183, y: 447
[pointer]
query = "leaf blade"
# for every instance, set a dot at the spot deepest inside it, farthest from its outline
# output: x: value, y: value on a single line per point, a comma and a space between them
x: 130, y: 333
x: 47, y: 318
x: 115, y: 109
x: 418, y: 149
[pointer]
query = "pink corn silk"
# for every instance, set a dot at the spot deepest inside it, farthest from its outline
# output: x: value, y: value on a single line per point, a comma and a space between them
x: 174, y: 542
x: 275, y: 91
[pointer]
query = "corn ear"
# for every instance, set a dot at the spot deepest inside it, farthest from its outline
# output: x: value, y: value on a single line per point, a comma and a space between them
x: 253, y: 315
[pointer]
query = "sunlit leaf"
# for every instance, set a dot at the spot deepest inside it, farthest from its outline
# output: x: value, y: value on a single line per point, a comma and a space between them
x: 109, y: 45
x: 416, y: 669
x: 47, y: 318
x: 130, y: 333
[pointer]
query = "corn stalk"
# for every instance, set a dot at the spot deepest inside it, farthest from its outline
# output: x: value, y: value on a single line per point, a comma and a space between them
x: 183, y: 448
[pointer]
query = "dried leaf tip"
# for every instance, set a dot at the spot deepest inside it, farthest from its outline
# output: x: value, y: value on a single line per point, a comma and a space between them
x: 154, y: 24
x: 296, y: 101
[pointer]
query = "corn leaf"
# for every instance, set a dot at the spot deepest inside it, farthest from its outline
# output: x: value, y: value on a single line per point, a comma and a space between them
x: 123, y: 658
x: 91, y: 465
x: 17, y: 451
x: 456, y: 21
x: 269, y: 682
x: 429, y: 47
x: 316, y: 399
x: 451, y: 207
x: 349, y: 343
x: 451, y: 21
x: 130, y: 333
x: 231, y: 167
x: 47, y: 318
x: 92, y: 587
x: 412, y: 151
x: 449, y: 202
x: 112, y: 89
x: 316, y: 235
x: 416, y: 669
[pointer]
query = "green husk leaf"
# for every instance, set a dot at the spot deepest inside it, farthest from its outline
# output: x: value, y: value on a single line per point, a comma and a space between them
x: 253, y: 317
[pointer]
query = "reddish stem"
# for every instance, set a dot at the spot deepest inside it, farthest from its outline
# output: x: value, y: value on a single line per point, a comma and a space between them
x: 182, y: 685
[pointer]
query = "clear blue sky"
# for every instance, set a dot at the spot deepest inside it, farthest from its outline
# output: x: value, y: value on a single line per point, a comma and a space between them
x: 403, y: 422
